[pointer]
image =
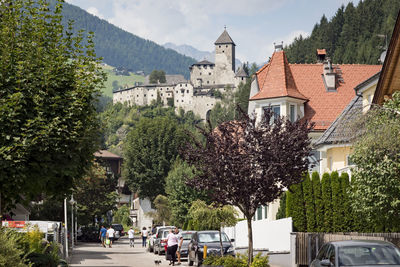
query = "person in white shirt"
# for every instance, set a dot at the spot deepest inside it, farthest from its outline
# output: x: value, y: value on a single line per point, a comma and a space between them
x: 131, y: 235
x: 110, y: 235
x: 172, y: 243
x: 145, y: 233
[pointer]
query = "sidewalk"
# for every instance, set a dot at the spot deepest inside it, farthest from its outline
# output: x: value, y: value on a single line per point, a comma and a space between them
x: 120, y: 255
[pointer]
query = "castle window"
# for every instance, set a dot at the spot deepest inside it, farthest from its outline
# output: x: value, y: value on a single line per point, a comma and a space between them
x: 182, y: 100
x: 161, y: 94
x: 205, y: 66
x: 208, y: 82
x: 200, y: 73
x: 185, y: 84
x: 209, y: 73
x: 144, y: 95
x: 151, y: 95
x: 177, y: 100
x: 242, y: 78
x: 176, y: 91
x: 226, y: 46
x: 187, y: 91
x: 223, y: 51
x: 169, y: 94
x: 161, y: 89
x: 219, y: 46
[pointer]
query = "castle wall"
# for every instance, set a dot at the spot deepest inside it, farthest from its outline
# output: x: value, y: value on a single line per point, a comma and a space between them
x: 183, y: 96
x: 202, y: 104
x: 205, y: 73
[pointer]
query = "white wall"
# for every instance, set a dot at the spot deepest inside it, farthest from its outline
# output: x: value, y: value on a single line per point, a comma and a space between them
x: 267, y: 235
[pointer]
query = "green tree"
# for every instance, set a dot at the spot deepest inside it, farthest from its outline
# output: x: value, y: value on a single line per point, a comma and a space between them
x: 295, y: 208
x: 319, y: 207
x: 337, y: 219
x: 345, y: 211
x: 375, y: 182
x: 149, y: 151
x: 162, y: 215
x: 309, y: 203
x: 48, y: 81
x: 282, y: 207
x: 180, y: 195
x: 212, y: 216
x: 95, y: 195
x: 326, y: 191
x: 121, y: 215
x: 157, y: 76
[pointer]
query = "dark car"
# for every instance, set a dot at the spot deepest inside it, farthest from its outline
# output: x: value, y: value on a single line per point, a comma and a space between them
x: 119, y: 230
x: 357, y: 253
x: 187, y: 236
x: 211, y: 240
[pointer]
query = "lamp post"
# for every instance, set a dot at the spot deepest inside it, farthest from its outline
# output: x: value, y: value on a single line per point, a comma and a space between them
x: 65, y: 229
x: 72, y: 202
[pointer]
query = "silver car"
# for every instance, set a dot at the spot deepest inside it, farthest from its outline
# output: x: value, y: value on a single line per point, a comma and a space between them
x: 357, y: 253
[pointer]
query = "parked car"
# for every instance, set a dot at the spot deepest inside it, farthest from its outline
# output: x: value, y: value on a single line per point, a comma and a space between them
x: 155, y: 234
x: 187, y: 236
x: 357, y: 253
x: 211, y: 239
x: 119, y: 230
x: 161, y: 242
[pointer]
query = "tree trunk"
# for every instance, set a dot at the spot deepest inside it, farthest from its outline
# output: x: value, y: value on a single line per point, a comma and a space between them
x: 220, y: 242
x: 250, y: 237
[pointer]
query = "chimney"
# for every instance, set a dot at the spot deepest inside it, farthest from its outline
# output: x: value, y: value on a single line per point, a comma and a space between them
x: 329, y: 75
x: 321, y: 55
x: 278, y: 47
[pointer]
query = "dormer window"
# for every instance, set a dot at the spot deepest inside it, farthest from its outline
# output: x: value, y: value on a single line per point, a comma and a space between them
x: 292, y: 113
x: 276, y: 110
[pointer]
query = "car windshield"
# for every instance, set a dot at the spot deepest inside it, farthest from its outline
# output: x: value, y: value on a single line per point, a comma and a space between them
x: 164, y: 234
x: 369, y: 255
x: 212, y: 237
x: 187, y: 236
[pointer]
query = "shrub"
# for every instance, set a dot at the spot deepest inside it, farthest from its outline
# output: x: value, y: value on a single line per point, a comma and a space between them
x: 11, y: 251
x: 238, y: 261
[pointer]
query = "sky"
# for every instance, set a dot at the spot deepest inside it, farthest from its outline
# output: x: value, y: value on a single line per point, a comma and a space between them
x: 254, y: 25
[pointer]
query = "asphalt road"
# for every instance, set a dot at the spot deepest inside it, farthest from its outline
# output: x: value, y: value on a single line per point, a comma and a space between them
x: 120, y: 255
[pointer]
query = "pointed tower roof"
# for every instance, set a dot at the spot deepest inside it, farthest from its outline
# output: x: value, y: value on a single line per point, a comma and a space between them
x: 241, y: 72
x: 276, y: 79
x: 224, y: 38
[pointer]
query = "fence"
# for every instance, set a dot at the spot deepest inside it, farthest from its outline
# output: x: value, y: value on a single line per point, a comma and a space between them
x: 308, y: 244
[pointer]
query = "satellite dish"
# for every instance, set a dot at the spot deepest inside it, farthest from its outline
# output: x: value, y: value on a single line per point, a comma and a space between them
x: 382, y: 57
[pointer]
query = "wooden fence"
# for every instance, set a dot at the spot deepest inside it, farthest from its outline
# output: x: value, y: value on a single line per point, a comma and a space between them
x: 308, y: 244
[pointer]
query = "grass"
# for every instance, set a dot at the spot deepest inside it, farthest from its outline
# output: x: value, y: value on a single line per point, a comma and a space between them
x: 122, y: 80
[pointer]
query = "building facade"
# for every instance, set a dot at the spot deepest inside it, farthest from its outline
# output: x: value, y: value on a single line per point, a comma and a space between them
x: 196, y: 94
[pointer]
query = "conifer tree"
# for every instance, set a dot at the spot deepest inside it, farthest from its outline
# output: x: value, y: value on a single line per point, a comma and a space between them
x: 309, y: 203
x: 326, y: 190
x: 337, y: 219
x: 282, y: 207
x: 296, y: 208
x: 319, y: 207
x: 346, y: 212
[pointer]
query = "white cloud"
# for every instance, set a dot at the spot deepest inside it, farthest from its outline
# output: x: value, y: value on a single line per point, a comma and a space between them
x: 94, y: 11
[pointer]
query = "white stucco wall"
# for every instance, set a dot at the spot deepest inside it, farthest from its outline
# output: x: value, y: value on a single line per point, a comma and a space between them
x: 267, y: 235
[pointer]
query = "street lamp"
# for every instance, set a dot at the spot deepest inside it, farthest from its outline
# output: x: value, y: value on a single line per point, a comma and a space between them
x: 65, y: 229
x: 72, y: 202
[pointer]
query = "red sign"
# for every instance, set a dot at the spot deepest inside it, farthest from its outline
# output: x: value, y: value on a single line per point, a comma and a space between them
x: 13, y: 224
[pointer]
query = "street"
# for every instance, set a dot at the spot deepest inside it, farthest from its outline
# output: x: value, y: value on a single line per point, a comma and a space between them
x: 120, y: 255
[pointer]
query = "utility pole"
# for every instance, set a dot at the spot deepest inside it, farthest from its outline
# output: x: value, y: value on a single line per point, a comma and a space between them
x: 66, y: 229
x: 72, y: 202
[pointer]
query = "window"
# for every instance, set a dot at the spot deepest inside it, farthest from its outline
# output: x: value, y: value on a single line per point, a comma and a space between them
x: 276, y: 110
x: 226, y: 46
x: 209, y: 73
x: 259, y: 212
x: 330, y: 163
x: 292, y: 113
x: 187, y: 91
x: 208, y: 82
x: 144, y: 95
x: 349, y: 161
x: 219, y: 46
x: 177, y: 100
x: 200, y: 73
x: 314, y: 159
x: 161, y: 94
x: 265, y: 212
x: 223, y: 51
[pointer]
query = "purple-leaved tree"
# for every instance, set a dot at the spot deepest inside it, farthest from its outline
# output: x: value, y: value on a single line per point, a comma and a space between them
x: 247, y: 164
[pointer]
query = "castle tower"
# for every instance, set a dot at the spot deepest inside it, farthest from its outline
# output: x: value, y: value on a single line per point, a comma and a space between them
x: 224, y: 59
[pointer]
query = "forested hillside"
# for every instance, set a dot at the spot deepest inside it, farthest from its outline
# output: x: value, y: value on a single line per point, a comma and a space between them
x: 355, y: 34
x: 120, y: 48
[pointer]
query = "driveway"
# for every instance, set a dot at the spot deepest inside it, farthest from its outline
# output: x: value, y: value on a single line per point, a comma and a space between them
x: 120, y: 255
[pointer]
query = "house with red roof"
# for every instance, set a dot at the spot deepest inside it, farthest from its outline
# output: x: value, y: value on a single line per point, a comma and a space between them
x: 317, y: 92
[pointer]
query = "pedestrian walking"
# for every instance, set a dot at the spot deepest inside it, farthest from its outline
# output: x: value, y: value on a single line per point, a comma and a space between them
x: 102, y: 235
x: 131, y: 235
x: 144, y: 234
x: 110, y: 236
x: 180, y: 242
x: 172, y: 243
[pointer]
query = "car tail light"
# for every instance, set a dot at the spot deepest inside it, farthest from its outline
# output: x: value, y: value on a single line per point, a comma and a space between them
x: 156, y: 235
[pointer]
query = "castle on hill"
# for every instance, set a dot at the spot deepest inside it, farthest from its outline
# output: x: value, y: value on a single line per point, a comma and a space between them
x: 197, y: 94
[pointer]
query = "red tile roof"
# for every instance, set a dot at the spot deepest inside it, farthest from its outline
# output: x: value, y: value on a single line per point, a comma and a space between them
x: 322, y: 106
x: 276, y: 80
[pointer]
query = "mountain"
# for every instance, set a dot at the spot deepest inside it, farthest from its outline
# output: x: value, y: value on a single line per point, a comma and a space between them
x: 199, y: 55
x: 122, y: 49
x: 355, y: 34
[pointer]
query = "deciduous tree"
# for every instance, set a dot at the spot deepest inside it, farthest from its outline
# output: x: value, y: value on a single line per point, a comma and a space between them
x: 48, y: 81
x: 248, y: 164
